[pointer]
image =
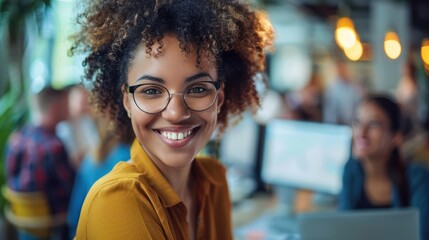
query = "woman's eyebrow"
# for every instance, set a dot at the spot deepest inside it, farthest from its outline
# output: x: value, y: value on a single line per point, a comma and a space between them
x: 151, y: 78
x: 187, y: 80
x: 198, y: 76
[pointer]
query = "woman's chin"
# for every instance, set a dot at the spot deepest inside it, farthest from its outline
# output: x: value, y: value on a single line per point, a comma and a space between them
x: 360, y: 153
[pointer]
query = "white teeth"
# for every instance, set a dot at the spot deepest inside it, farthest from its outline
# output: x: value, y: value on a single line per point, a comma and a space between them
x: 176, y: 135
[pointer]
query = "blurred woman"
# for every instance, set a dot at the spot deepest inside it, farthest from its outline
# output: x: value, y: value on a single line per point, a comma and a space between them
x: 377, y: 176
x: 99, y: 160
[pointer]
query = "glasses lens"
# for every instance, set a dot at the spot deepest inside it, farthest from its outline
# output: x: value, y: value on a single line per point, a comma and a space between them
x: 151, y: 98
x: 200, y: 96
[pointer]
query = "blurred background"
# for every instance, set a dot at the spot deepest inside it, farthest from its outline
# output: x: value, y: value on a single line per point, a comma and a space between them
x: 374, y: 46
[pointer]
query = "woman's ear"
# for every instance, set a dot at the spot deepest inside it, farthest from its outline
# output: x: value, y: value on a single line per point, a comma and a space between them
x: 221, y: 96
x: 125, y: 100
x: 398, y: 139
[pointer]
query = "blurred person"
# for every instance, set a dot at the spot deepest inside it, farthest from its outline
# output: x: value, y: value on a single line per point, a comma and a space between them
x: 172, y: 72
x: 79, y: 131
x: 111, y: 149
x: 407, y: 96
x: 307, y: 102
x: 36, y: 159
x: 377, y: 176
x: 341, y: 96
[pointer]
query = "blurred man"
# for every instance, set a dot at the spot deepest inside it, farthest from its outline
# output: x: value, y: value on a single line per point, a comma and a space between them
x: 341, y: 97
x: 36, y: 159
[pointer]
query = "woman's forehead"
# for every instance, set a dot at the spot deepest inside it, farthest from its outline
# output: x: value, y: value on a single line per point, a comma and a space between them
x: 372, y: 111
x: 169, y: 63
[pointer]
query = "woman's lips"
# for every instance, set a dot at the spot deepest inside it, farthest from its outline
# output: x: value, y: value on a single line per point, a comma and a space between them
x: 177, y: 138
x: 176, y: 135
x: 361, y: 143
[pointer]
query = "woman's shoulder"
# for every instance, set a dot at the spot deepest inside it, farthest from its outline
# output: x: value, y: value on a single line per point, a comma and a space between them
x: 121, y: 197
x: 418, y: 172
x: 418, y: 180
x: 353, y: 165
x: 123, y: 177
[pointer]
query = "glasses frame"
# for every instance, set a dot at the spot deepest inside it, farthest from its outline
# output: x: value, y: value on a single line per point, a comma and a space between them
x: 132, y: 89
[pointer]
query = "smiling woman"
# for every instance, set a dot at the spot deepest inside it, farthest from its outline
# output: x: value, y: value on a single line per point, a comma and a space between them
x: 172, y: 72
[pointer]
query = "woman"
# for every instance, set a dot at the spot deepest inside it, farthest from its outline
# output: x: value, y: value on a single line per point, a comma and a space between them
x: 107, y: 151
x: 378, y: 177
x: 173, y: 72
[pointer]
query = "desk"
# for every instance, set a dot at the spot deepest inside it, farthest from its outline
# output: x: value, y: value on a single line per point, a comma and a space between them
x: 255, y: 218
x: 260, y: 203
x: 252, y: 208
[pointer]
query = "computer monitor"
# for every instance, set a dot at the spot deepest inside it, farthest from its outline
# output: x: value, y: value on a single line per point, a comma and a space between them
x: 239, y: 143
x: 305, y: 155
x: 238, y: 151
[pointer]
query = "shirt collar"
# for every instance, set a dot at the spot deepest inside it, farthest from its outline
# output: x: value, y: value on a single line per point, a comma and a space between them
x: 152, y: 174
x: 204, y: 169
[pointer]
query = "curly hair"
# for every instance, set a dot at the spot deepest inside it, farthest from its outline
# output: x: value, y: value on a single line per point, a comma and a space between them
x: 229, y: 32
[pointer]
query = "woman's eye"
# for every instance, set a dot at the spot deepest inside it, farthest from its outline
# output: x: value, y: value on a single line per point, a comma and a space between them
x: 151, y: 91
x: 198, y: 89
x: 374, y: 124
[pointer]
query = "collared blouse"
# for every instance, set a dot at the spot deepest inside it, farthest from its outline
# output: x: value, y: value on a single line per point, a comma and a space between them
x: 135, y: 201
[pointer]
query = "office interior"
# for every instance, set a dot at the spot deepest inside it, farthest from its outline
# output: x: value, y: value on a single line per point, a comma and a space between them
x: 268, y: 189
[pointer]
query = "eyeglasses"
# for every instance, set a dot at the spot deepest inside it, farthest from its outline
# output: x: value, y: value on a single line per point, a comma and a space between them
x: 154, y: 98
x: 368, y: 125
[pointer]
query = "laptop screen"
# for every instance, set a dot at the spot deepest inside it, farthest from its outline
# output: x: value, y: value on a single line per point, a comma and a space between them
x: 380, y: 224
x: 305, y: 155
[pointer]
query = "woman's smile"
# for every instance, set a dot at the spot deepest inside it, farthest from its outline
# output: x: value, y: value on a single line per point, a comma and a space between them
x: 177, y: 137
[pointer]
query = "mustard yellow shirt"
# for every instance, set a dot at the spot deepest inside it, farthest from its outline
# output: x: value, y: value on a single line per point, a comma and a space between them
x: 135, y: 201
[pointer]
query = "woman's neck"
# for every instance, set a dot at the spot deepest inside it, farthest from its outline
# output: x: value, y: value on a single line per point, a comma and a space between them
x: 375, y: 167
x: 179, y: 179
x: 48, y: 124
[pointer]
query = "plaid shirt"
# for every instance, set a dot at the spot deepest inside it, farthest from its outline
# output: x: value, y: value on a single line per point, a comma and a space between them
x: 36, y: 160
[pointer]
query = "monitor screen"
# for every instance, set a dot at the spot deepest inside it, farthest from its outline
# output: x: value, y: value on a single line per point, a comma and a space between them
x: 239, y: 151
x: 239, y: 143
x: 305, y: 155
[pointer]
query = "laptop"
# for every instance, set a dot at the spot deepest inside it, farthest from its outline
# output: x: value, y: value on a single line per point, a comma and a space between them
x: 389, y: 224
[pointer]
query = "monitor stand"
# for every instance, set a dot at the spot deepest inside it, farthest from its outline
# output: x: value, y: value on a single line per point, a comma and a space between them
x: 284, y: 217
x: 324, y: 202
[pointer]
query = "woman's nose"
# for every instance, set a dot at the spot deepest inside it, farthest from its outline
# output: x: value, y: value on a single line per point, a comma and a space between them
x: 360, y: 130
x: 176, y: 109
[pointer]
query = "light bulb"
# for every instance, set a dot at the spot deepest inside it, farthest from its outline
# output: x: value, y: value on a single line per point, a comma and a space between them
x: 355, y: 52
x: 345, y: 34
x: 425, y: 51
x: 392, y: 46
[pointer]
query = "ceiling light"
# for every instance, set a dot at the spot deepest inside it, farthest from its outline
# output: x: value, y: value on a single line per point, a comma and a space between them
x: 345, y: 34
x: 425, y: 51
x: 392, y: 46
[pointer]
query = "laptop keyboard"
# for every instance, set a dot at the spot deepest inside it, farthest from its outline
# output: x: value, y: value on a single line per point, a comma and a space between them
x: 270, y: 226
